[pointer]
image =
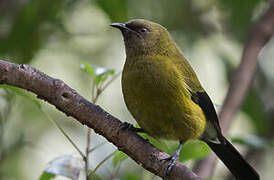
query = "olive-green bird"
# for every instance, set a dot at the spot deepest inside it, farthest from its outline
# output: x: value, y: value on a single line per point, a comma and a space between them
x: 164, y: 95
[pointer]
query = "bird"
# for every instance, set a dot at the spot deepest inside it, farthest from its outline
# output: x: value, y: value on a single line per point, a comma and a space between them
x: 165, y: 97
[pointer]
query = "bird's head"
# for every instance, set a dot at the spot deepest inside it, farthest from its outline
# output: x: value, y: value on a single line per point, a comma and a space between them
x: 143, y: 36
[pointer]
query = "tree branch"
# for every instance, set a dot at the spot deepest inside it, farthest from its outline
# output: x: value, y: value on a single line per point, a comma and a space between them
x: 67, y: 100
x: 259, y: 34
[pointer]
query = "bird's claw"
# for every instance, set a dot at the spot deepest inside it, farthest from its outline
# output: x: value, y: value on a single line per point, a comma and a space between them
x: 126, y: 126
x: 172, y: 160
x: 130, y: 127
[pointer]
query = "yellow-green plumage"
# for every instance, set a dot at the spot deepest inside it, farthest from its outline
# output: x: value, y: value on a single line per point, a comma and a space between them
x: 165, y: 97
x: 155, y: 92
x: 156, y: 81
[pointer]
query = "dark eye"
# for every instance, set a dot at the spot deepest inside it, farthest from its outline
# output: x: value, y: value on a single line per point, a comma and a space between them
x: 143, y: 30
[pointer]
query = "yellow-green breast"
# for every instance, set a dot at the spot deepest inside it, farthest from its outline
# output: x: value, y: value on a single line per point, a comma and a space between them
x: 155, y: 92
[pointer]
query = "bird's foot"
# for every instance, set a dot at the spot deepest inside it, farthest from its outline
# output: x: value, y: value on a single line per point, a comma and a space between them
x: 130, y: 127
x: 172, y: 160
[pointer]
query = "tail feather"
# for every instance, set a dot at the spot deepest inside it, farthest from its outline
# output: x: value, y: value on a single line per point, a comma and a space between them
x: 233, y: 160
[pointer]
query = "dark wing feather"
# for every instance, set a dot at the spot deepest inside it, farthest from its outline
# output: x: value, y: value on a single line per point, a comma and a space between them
x: 203, y: 100
x: 224, y: 150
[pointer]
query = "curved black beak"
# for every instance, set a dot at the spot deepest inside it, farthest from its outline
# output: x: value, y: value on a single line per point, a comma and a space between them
x: 123, y: 28
x: 119, y: 25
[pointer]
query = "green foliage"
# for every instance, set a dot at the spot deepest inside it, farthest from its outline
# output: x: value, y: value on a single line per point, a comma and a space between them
x: 98, y: 74
x: 239, y: 16
x: 32, y: 23
x: 185, y: 18
x: 47, y: 176
x: 194, y: 150
x: 253, y: 106
x: 131, y: 176
x: 191, y: 150
x: 89, y: 69
x: 22, y: 93
x: 159, y: 144
x: 254, y: 142
x: 118, y: 157
x: 116, y: 10
x: 94, y: 177
x: 27, y: 33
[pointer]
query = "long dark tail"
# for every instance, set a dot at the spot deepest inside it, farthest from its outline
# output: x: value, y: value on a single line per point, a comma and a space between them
x: 233, y: 160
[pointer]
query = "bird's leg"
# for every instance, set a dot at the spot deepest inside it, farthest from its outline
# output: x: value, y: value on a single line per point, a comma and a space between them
x: 173, y: 158
x: 130, y: 127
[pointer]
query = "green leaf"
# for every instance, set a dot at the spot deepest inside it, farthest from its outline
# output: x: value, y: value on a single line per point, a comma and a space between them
x: 119, y: 156
x: 22, y: 93
x: 66, y: 165
x: 131, y: 176
x: 102, y: 74
x: 98, y: 74
x: 160, y: 144
x: 253, y: 141
x: 157, y: 143
x: 194, y: 149
x: 88, y: 68
x: 46, y: 176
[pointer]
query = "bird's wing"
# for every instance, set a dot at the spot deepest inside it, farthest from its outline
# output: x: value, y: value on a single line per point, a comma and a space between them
x: 198, y: 94
x: 203, y: 100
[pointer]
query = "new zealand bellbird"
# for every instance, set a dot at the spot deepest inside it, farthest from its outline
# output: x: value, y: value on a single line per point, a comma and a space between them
x: 164, y: 95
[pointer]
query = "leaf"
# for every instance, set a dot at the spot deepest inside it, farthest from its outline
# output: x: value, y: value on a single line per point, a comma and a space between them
x: 88, y: 68
x: 157, y: 143
x: 253, y: 141
x: 102, y: 74
x: 66, y: 165
x: 99, y: 71
x: 46, y: 176
x: 119, y: 156
x: 99, y: 74
x: 194, y: 150
x: 22, y: 93
x: 191, y: 149
x: 131, y: 176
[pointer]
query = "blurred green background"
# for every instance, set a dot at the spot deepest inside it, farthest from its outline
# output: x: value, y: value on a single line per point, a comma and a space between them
x: 57, y: 36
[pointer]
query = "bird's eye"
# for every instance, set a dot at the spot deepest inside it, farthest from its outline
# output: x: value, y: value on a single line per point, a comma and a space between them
x: 143, y: 30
